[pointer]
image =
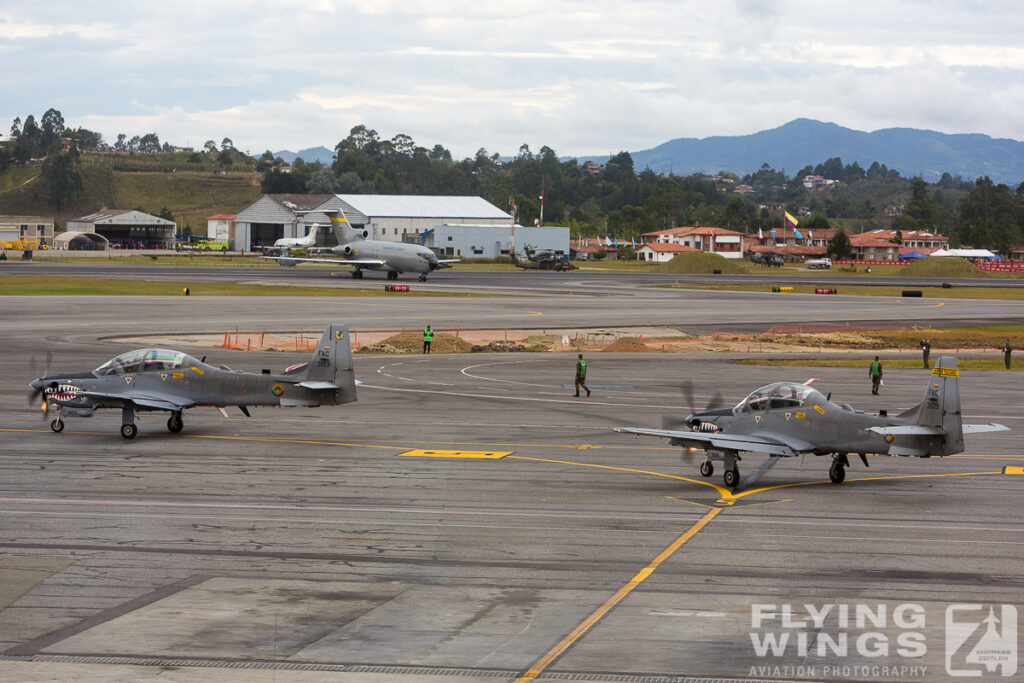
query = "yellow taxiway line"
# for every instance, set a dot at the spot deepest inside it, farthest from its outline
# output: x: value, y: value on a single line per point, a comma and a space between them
x: 584, y: 626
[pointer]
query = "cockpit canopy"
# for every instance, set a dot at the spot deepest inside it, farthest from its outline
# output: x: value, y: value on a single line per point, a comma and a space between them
x: 780, y: 395
x: 145, y: 360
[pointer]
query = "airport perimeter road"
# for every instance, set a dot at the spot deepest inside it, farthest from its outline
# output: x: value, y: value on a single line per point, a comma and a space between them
x: 469, y: 519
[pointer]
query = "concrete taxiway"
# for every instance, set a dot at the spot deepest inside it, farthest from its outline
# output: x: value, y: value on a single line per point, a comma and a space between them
x: 468, y: 518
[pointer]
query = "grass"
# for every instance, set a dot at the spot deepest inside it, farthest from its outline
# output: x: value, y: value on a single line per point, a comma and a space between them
x: 17, y: 285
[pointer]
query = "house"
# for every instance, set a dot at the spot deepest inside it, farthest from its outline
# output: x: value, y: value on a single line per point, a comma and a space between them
x: 592, y: 167
x: 221, y: 227
x: 880, y: 245
x: 661, y: 252
x: 726, y: 243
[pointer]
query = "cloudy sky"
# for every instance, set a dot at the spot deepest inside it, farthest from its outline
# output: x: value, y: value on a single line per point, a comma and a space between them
x: 586, y: 77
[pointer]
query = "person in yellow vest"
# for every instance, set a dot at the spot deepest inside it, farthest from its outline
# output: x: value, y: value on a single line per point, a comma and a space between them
x: 581, y: 375
x: 428, y: 336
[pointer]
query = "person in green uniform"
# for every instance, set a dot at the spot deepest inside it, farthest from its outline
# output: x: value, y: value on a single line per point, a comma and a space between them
x: 1007, y: 352
x: 876, y: 375
x: 581, y: 375
x: 926, y: 349
x: 428, y: 336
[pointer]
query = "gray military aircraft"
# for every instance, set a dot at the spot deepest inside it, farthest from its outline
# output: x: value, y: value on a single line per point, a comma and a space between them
x: 394, y: 258
x: 542, y: 259
x: 159, y: 379
x: 788, y: 419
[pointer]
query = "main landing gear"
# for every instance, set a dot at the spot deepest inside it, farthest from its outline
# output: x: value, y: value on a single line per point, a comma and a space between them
x: 174, y: 423
x: 423, y: 277
x: 837, y: 472
x: 357, y: 274
x: 392, y: 275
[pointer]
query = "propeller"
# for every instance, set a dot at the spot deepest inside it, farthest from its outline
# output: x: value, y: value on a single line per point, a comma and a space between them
x: 33, y: 396
x: 674, y: 422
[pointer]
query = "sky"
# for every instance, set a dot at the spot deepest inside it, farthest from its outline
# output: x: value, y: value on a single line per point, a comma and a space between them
x: 582, y: 77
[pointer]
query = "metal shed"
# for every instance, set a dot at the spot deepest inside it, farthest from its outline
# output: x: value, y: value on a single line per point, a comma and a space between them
x: 126, y: 229
x: 273, y: 216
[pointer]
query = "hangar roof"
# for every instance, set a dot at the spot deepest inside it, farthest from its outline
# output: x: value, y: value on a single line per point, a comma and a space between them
x: 428, y: 206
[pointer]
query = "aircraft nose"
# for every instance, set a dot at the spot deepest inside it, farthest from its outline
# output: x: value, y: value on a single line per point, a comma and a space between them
x: 37, y: 384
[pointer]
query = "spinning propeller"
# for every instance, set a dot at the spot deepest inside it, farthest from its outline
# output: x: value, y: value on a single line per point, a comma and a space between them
x: 672, y: 422
x: 33, y: 396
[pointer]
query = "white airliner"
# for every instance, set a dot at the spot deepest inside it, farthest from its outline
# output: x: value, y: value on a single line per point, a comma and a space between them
x: 355, y: 250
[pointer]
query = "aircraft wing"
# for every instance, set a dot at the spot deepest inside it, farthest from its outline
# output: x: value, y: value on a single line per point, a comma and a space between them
x: 173, y: 403
x: 292, y: 260
x: 763, y: 442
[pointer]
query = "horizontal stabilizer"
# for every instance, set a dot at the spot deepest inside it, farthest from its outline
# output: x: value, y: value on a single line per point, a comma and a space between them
x: 907, y: 430
x: 990, y: 427
x: 316, y: 386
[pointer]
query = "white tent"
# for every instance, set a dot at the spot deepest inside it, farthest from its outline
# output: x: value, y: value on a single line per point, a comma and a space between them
x: 965, y: 253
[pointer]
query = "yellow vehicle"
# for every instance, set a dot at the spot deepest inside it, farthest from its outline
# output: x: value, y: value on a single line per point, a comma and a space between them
x: 23, y: 245
x: 213, y: 245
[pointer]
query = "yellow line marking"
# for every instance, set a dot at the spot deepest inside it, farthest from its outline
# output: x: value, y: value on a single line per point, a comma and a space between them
x: 584, y: 626
x: 722, y: 491
x: 1013, y: 470
x: 484, y: 455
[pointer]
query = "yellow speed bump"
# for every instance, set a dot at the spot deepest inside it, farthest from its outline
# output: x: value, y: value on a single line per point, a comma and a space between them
x: 1013, y: 470
x: 480, y: 455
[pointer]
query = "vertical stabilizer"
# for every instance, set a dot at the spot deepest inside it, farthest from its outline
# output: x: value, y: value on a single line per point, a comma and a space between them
x: 343, y: 230
x: 331, y: 364
x: 940, y: 407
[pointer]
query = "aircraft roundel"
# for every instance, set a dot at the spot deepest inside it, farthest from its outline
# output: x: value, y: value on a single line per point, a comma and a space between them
x: 277, y: 390
x: 339, y: 335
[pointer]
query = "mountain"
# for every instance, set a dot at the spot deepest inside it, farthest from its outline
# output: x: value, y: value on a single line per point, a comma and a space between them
x: 321, y: 154
x: 803, y: 142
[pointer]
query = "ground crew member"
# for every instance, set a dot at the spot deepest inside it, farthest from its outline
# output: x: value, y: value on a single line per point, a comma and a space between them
x: 876, y: 375
x: 428, y: 336
x: 926, y: 349
x: 1007, y: 351
x: 581, y: 375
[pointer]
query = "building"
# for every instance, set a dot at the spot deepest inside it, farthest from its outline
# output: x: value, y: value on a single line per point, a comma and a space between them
x: 591, y: 167
x: 661, y: 252
x: 491, y: 241
x: 407, y: 218
x: 273, y: 216
x: 881, y: 245
x: 392, y: 218
x: 126, y: 229
x: 221, y: 227
x: 14, y: 228
x: 726, y: 243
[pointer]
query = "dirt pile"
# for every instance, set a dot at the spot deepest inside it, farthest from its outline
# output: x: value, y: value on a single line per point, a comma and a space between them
x: 412, y: 342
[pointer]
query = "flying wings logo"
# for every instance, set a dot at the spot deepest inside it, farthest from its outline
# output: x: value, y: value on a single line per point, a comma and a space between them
x: 63, y: 392
x: 277, y: 390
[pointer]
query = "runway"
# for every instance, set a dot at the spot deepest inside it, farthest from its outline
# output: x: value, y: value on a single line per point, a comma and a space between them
x: 469, y: 519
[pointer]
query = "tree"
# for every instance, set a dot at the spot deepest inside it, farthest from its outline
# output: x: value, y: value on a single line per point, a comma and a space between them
x: 63, y: 179
x: 736, y: 216
x: 149, y: 143
x: 16, y: 127
x: 52, y: 128
x: 322, y: 182
x: 839, y: 246
x: 121, y: 145
x: 226, y: 144
x: 210, y: 146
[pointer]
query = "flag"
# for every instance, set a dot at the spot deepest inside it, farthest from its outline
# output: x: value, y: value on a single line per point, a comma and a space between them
x: 607, y: 241
x: 633, y: 241
x: 790, y: 221
x: 616, y: 242
x: 760, y: 234
x: 773, y: 235
x: 796, y: 233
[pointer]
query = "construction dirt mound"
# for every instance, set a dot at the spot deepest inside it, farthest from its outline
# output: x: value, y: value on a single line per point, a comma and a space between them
x: 626, y: 344
x: 412, y: 342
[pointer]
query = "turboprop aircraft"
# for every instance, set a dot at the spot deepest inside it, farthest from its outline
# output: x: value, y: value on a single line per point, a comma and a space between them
x: 788, y: 419
x: 160, y: 379
x: 394, y: 258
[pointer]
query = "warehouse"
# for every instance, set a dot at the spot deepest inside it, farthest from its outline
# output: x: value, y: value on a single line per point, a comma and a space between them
x: 273, y: 216
x: 491, y: 241
x: 126, y: 229
x: 20, y: 228
x: 409, y: 218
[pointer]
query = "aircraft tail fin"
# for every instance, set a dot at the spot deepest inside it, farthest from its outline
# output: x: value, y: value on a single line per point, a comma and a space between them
x: 940, y: 407
x: 330, y: 368
x: 343, y: 230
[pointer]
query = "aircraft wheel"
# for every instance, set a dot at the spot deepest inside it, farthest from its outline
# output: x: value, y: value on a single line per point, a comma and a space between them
x: 57, y: 425
x: 423, y: 278
x: 732, y: 478
x: 359, y: 274
x: 355, y: 274
x: 175, y: 423
x: 706, y: 468
x: 129, y: 431
x: 837, y: 473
